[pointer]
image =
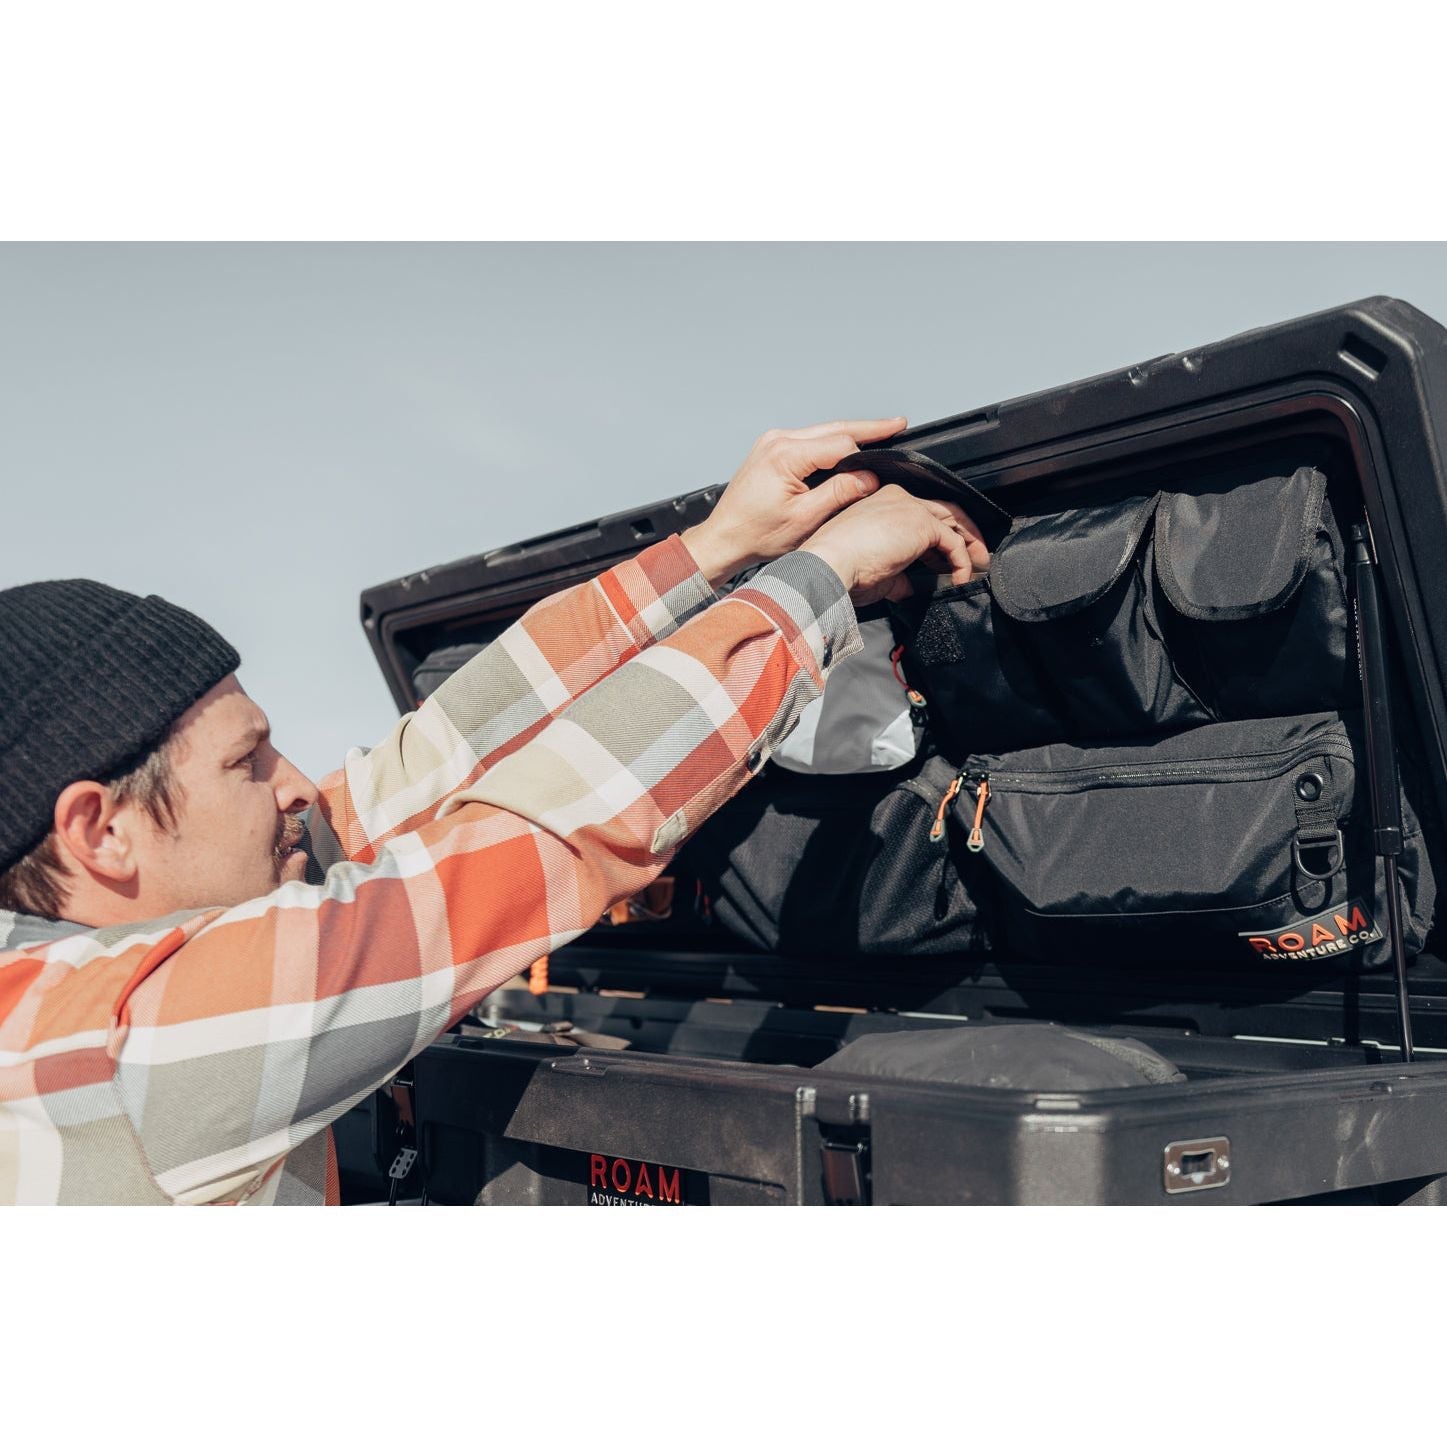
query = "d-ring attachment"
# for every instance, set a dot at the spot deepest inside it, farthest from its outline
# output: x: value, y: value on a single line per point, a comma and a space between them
x: 1336, y: 854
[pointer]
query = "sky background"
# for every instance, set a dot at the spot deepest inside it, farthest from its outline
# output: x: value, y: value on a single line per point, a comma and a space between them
x: 258, y: 432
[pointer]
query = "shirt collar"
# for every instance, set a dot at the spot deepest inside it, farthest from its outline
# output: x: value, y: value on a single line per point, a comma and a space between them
x: 22, y: 931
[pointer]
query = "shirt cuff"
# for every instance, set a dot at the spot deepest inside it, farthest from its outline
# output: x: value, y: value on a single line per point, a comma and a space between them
x: 810, y: 606
x: 673, y: 578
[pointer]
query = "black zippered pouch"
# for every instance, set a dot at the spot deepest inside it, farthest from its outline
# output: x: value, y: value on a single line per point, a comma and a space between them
x: 1246, y: 839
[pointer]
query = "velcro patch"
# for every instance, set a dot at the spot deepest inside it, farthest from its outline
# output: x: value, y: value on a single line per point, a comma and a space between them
x: 1332, y: 932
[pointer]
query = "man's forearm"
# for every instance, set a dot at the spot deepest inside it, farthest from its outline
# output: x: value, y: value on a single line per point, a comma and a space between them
x: 678, y: 730
x: 504, y: 696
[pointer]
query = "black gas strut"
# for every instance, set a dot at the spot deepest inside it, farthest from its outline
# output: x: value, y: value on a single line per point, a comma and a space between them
x: 1381, y: 755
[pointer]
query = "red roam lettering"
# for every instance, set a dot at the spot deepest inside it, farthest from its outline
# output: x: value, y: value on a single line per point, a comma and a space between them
x: 1357, y: 921
x: 1330, y: 933
x: 636, y: 1181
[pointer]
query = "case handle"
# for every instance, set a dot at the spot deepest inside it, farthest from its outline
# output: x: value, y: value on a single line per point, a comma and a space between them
x: 923, y: 475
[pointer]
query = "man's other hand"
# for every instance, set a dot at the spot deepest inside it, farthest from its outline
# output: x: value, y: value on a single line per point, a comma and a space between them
x: 871, y: 545
x: 768, y: 509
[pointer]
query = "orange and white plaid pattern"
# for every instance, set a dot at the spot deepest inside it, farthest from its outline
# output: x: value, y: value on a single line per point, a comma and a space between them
x: 202, y: 1058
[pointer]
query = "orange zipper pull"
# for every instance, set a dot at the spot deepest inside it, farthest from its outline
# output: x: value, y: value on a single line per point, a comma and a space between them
x: 976, y: 841
x: 937, y: 829
x: 538, y: 977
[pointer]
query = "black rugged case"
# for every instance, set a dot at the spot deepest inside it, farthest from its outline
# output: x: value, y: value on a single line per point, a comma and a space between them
x: 1294, y: 1088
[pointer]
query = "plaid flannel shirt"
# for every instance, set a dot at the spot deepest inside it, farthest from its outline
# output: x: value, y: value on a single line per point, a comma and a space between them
x: 201, y: 1058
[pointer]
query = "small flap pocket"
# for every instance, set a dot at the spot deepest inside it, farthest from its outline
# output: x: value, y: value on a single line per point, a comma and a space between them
x: 1049, y: 567
x: 1223, y: 556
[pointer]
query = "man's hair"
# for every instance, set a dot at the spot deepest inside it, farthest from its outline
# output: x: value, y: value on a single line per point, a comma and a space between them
x: 38, y: 883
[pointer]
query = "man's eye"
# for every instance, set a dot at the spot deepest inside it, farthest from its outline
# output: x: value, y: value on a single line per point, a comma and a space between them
x: 248, y: 762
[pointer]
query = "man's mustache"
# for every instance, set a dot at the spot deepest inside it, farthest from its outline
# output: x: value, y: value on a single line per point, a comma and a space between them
x: 289, y: 834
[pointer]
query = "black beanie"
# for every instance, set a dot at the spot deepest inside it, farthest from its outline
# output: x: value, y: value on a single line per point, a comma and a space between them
x: 91, y: 678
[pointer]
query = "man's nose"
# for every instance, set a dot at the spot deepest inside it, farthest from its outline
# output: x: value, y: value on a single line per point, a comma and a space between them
x: 294, y: 791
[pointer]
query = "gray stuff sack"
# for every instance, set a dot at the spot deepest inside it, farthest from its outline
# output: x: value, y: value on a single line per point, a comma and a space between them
x: 1005, y: 1056
x: 863, y: 722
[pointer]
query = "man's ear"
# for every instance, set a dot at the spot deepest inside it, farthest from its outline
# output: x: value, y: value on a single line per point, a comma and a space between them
x: 94, y: 832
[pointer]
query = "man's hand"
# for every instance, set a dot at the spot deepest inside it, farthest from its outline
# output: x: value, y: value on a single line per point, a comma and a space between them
x: 871, y: 545
x: 767, y: 510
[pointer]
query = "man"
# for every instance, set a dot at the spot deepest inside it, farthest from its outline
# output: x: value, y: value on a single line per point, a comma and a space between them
x: 182, y: 1016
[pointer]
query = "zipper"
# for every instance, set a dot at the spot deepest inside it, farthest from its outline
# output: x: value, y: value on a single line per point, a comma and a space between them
x: 976, y: 841
x: 1255, y: 767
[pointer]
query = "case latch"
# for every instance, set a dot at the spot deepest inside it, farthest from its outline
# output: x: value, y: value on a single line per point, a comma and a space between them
x: 1197, y: 1165
x: 844, y: 1148
x: 846, y: 1172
